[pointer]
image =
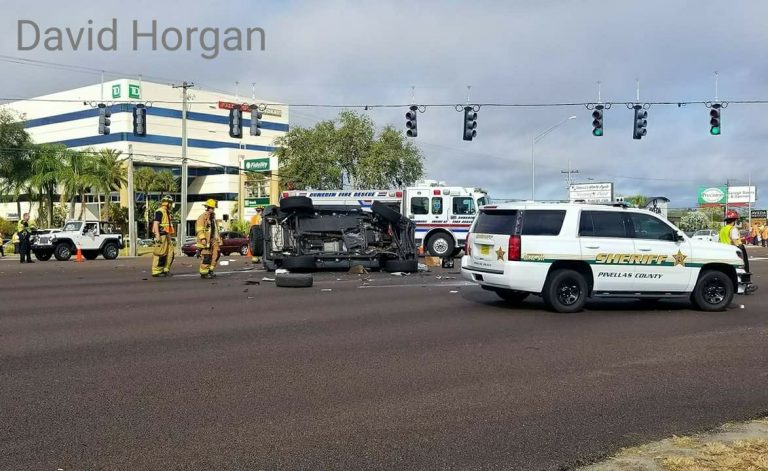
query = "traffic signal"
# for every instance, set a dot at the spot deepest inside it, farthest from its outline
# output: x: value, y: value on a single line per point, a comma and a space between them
x: 236, y: 123
x: 410, y: 122
x: 139, y: 120
x: 104, y: 121
x: 714, y: 119
x: 470, y: 123
x: 641, y: 123
x: 255, y: 121
x: 597, y: 121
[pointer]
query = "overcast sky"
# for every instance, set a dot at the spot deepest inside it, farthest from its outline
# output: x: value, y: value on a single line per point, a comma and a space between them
x: 371, y: 52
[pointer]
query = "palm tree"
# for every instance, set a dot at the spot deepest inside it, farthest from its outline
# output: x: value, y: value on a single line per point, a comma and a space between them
x: 76, y: 176
x: 15, y: 172
x: 144, y: 181
x: 47, y: 166
x: 166, y: 182
x: 110, y: 173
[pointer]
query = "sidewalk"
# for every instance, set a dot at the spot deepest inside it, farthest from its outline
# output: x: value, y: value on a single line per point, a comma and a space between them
x: 733, y: 447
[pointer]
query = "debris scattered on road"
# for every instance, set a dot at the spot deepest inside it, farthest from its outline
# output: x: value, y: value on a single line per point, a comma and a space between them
x: 423, y: 267
x: 741, y: 306
x: 326, y: 289
x: 281, y: 270
x: 252, y: 282
x: 453, y: 291
x: 267, y: 279
x: 224, y: 263
x: 358, y: 269
x: 400, y: 273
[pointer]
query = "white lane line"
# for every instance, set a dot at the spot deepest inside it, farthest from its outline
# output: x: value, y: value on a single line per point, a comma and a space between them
x: 462, y: 283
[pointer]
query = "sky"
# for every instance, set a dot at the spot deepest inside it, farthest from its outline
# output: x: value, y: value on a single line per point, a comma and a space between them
x: 517, y: 52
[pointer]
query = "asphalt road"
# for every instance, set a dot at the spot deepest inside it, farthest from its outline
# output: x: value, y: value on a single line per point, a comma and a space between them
x: 103, y: 367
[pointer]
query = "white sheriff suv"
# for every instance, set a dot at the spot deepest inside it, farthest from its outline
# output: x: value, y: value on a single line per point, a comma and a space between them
x: 568, y: 252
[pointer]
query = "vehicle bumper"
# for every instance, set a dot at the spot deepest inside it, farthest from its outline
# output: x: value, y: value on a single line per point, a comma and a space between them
x: 745, y: 282
x: 518, y: 276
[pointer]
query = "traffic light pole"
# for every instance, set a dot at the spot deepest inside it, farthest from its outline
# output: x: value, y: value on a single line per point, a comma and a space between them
x: 184, y: 170
x: 131, y: 206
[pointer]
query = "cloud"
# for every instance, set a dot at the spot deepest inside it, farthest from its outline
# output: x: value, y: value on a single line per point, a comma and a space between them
x: 365, y: 52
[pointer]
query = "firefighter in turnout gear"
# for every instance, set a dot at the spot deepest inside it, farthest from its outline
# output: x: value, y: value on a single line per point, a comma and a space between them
x: 162, y: 227
x: 256, y: 236
x: 208, y: 239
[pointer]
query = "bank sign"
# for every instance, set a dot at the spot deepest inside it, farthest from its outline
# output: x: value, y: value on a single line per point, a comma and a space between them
x: 720, y: 195
x: 257, y: 165
x: 134, y: 91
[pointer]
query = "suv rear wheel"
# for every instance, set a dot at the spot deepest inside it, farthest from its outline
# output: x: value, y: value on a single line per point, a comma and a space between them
x: 713, y: 292
x: 565, y: 291
x: 63, y: 252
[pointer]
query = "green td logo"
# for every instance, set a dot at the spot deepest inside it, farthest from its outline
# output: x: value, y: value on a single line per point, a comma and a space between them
x: 116, y: 91
x: 134, y: 91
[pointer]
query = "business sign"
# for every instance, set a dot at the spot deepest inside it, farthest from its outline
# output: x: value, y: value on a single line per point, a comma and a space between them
x: 591, y: 192
x: 116, y: 91
x: 721, y: 195
x: 658, y: 205
x: 759, y: 214
x: 246, y: 108
x: 256, y: 165
x: 256, y: 202
x: 134, y: 91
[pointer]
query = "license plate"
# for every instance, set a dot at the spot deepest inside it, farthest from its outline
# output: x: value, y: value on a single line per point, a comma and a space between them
x: 485, y: 250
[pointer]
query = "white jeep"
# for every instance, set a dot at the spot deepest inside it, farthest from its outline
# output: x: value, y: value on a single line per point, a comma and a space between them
x: 93, y: 238
x: 568, y: 252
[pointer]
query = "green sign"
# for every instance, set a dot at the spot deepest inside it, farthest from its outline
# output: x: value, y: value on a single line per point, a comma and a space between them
x: 712, y: 195
x: 116, y: 91
x: 257, y: 165
x: 256, y: 202
x: 134, y: 91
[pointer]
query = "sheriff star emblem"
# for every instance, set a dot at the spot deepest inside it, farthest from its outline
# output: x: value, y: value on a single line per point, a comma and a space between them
x: 500, y: 254
x: 679, y: 258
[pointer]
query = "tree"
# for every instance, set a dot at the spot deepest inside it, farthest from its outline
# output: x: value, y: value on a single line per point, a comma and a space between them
x: 347, y: 151
x: 638, y: 201
x: 47, y: 166
x: 14, y: 156
x: 110, y: 172
x: 694, y: 221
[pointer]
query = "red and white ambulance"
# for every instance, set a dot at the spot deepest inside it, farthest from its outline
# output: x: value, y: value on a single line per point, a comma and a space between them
x: 442, y: 213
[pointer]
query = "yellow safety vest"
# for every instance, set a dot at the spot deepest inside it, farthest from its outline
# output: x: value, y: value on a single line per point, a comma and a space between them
x: 725, y: 235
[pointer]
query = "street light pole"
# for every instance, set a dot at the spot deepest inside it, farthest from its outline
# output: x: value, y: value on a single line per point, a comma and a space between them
x: 534, y: 140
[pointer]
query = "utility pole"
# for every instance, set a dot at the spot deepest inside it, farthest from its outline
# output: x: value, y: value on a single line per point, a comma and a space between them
x: 131, y: 206
x: 568, y: 173
x: 184, y: 170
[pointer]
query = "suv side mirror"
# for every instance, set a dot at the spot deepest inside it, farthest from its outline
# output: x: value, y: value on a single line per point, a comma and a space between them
x: 679, y: 236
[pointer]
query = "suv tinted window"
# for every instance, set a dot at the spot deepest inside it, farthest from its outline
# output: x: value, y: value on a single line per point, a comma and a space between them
x: 496, y: 222
x: 542, y: 222
x: 602, y: 224
x: 650, y: 227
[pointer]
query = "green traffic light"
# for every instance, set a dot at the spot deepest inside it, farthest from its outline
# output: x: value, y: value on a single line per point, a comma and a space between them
x: 597, y: 132
x: 715, y: 130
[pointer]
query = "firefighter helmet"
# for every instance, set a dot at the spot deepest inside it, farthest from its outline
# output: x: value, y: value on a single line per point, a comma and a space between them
x: 211, y: 203
x: 731, y: 215
x: 167, y: 198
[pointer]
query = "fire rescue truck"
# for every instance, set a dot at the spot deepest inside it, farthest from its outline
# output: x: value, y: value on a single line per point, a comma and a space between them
x: 442, y: 213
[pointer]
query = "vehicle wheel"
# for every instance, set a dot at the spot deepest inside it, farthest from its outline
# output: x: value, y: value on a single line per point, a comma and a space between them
x: 512, y: 296
x: 406, y: 266
x: 43, y: 256
x: 299, y: 263
x: 386, y: 213
x: 441, y: 245
x: 110, y: 251
x: 713, y: 292
x: 257, y: 242
x: 294, y: 280
x: 190, y: 255
x: 244, y: 250
x: 90, y: 254
x: 565, y: 291
x: 297, y: 203
x: 63, y: 252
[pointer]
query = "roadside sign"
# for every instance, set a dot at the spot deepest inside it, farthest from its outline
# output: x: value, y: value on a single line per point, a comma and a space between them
x: 591, y: 192
x: 257, y: 165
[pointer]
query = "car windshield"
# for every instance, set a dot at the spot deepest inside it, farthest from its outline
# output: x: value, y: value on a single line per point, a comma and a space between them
x: 73, y: 226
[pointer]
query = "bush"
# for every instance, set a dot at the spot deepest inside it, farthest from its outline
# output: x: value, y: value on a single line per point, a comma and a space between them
x: 695, y: 221
x: 7, y: 228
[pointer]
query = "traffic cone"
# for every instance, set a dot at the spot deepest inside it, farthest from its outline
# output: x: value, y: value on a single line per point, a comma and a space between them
x: 79, y: 256
x: 248, y: 252
x: 421, y: 250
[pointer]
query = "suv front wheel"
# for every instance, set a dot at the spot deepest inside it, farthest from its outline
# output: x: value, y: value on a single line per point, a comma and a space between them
x: 565, y: 291
x: 713, y: 292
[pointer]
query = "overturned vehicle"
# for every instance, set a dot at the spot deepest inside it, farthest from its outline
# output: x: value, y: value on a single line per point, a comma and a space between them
x: 301, y: 236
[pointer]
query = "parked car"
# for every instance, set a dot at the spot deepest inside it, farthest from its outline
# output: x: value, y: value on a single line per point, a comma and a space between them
x: 231, y: 242
x: 706, y: 234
